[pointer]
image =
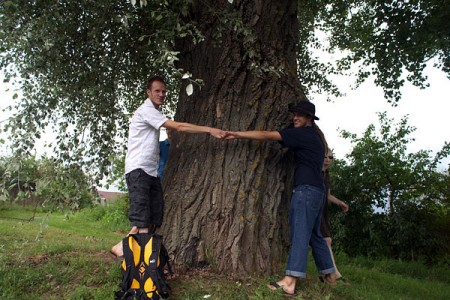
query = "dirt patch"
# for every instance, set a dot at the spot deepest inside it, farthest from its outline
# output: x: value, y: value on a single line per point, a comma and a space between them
x: 37, y: 260
x: 120, y: 232
x: 107, y: 256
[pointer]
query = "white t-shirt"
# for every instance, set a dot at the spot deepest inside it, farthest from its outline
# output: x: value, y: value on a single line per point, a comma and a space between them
x: 143, y: 139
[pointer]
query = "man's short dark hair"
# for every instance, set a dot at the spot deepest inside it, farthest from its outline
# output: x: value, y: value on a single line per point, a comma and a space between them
x: 153, y: 79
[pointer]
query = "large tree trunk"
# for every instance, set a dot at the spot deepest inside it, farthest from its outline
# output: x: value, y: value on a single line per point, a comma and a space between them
x: 226, y: 201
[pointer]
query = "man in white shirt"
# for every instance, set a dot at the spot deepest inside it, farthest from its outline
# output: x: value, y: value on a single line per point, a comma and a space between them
x: 141, y: 162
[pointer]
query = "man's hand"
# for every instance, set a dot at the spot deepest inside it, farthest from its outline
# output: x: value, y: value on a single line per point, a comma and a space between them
x: 217, y: 133
x: 230, y: 135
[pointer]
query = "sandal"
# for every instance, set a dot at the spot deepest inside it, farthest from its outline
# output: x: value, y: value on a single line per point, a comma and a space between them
x: 327, y: 280
x: 276, y: 287
x: 342, y: 280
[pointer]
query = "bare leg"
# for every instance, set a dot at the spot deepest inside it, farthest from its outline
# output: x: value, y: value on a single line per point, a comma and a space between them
x: 331, y: 278
x: 143, y: 230
x: 336, y: 273
x: 117, y: 249
x: 133, y: 230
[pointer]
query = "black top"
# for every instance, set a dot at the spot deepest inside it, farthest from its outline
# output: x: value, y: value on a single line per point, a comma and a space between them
x: 309, y: 152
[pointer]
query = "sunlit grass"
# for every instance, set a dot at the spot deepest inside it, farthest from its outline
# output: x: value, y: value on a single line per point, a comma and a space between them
x: 65, y: 256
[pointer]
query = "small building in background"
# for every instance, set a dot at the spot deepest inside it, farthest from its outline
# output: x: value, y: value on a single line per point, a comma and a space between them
x: 108, y: 197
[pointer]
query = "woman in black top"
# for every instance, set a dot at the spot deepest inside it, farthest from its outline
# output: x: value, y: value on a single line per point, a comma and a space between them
x: 308, y: 196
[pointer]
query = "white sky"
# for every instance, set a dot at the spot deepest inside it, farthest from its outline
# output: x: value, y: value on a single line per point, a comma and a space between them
x: 427, y: 109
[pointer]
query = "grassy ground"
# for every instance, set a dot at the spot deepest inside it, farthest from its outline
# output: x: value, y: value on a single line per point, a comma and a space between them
x: 57, y: 256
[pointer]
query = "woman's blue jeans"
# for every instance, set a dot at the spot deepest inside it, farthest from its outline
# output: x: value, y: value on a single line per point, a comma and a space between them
x: 304, y: 220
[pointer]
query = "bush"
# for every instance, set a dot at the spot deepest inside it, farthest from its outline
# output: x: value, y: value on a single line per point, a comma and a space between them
x: 45, y: 182
x: 116, y: 214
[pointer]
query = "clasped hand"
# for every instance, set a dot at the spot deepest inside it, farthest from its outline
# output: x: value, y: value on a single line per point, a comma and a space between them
x: 224, y: 135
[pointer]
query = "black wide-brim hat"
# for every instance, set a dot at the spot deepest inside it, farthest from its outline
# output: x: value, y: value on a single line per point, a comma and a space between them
x: 305, y: 107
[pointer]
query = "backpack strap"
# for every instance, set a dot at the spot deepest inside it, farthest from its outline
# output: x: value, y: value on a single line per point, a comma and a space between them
x: 129, y: 263
x: 165, y: 259
x: 154, y: 265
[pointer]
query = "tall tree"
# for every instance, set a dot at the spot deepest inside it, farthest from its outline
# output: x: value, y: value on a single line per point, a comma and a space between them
x: 83, y: 65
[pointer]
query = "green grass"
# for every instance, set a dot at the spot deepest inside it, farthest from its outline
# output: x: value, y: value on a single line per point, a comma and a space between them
x: 65, y: 256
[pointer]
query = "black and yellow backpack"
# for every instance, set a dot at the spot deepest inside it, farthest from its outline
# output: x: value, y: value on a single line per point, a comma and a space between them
x: 143, y: 267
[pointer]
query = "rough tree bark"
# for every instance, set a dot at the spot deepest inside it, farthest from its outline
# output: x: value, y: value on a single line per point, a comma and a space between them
x: 226, y: 202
